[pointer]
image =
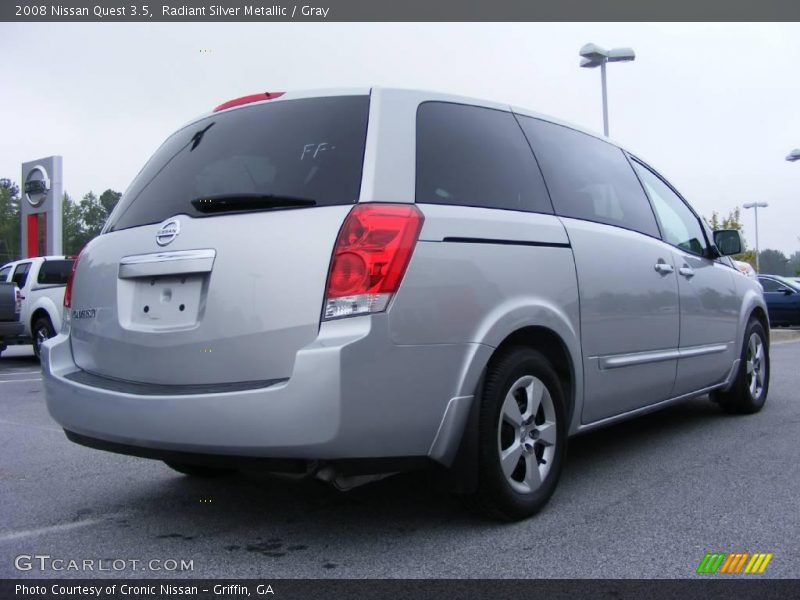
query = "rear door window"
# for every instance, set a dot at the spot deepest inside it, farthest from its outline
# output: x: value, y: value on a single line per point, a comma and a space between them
x: 54, y: 272
x: 20, y: 276
x: 308, y: 149
x: 4, y: 273
x: 589, y: 178
x: 474, y: 156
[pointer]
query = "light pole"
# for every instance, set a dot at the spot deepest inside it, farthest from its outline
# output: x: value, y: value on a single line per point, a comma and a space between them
x: 593, y: 56
x: 794, y: 155
x: 755, y: 206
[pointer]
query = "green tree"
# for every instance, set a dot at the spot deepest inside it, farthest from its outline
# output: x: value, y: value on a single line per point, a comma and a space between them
x: 733, y: 221
x: 72, y: 226
x: 9, y: 221
x: 85, y: 219
x: 794, y: 264
x: 773, y: 262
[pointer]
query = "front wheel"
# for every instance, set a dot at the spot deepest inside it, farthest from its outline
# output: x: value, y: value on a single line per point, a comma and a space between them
x: 749, y: 390
x: 42, y: 331
x: 522, y: 435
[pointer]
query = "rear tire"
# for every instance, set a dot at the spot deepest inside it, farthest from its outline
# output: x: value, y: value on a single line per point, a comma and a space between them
x: 522, y: 436
x: 749, y: 391
x: 41, y: 331
x: 199, y: 471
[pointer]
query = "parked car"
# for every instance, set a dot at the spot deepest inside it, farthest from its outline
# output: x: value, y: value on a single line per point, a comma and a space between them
x: 745, y: 268
x: 359, y: 282
x: 10, y: 326
x: 782, y: 295
x: 41, y: 281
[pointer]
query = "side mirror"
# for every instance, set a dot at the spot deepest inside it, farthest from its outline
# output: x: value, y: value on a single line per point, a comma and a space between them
x: 728, y: 242
x: 785, y: 291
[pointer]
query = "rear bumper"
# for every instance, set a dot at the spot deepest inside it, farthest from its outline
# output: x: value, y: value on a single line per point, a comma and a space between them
x: 352, y: 394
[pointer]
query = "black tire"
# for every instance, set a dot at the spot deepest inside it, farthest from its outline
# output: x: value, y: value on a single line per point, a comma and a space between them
x: 199, y: 471
x: 499, y: 495
x: 42, y: 330
x: 743, y: 397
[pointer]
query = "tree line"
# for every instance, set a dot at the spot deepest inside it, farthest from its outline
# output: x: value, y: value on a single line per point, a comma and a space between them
x: 82, y: 219
x: 771, y: 261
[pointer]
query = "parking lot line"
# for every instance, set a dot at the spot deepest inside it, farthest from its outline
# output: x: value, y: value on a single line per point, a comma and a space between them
x: 19, y: 380
x: 27, y: 533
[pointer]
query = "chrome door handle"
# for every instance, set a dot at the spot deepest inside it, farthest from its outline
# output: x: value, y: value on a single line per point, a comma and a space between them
x: 686, y: 271
x: 664, y: 268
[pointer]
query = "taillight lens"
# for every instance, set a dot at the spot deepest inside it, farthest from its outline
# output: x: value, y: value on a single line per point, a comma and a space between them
x: 370, y: 258
x: 68, y: 290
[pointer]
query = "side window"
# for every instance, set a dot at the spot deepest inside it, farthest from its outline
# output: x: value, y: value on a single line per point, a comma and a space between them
x: 473, y: 156
x: 680, y: 226
x: 21, y: 274
x: 770, y: 285
x: 4, y: 273
x: 589, y: 178
x: 54, y: 272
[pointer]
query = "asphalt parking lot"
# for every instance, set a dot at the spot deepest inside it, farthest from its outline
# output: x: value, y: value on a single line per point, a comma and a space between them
x: 647, y: 498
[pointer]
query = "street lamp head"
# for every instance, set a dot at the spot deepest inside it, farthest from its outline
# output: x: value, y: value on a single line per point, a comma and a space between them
x: 591, y: 63
x: 592, y: 51
x: 793, y: 156
x: 755, y: 205
x: 593, y: 55
x: 621, y: 55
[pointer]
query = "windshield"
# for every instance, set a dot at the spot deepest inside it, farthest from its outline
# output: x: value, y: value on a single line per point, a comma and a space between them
x: 311, y: 149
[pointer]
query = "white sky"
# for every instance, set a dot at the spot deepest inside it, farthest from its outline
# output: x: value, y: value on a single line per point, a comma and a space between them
x: 714, y: 107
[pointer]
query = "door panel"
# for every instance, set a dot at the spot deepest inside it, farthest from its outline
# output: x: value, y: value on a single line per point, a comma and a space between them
x: 628, y: 307
x: 709, y: 321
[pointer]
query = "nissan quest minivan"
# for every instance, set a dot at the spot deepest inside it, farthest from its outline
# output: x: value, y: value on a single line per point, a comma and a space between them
x: 357, y: 282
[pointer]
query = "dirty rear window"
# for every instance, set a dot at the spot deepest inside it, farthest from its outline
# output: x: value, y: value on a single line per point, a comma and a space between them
x: 310, y: 149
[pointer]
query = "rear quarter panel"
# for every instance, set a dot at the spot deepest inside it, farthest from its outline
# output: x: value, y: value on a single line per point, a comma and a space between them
x: 470, y: 292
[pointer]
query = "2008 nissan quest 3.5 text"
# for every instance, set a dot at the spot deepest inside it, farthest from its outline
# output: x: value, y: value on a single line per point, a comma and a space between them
x: 357, y: 282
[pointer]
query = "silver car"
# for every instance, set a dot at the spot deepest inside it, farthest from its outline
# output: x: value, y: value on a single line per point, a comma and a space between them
x: 358, y: 282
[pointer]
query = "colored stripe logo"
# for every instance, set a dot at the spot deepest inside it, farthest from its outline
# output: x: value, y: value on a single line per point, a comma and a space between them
x: 734, y: 563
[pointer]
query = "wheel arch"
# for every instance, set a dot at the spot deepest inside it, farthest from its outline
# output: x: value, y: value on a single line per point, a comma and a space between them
x: 562, y: 344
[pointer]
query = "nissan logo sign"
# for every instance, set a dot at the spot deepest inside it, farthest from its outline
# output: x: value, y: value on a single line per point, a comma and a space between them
x: 37, y: 184
x: 168, y: 231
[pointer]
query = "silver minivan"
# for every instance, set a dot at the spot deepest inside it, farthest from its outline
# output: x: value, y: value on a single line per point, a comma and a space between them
x: 358, y: 282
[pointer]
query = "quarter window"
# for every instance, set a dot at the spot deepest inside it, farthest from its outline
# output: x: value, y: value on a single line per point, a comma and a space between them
x: 679, y: 224
x: 589, y: 178
x: 473, y: 156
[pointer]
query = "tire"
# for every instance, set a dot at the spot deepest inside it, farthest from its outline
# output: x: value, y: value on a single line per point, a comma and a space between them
x: 41, y: 331
x: 199, y: 471
x: 749, y: 391
x: 516, y: 382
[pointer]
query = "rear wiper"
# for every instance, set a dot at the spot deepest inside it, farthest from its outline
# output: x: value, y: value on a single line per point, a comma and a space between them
x: 234, y: 202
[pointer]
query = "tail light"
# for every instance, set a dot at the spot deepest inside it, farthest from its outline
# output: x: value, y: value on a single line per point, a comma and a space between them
x: 18, y: 303
x: 370, y: 258
x: 70, y: 279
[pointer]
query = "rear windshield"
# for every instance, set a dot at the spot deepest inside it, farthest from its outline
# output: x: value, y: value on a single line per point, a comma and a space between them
x: 54, y: 272
x: 310, y: 149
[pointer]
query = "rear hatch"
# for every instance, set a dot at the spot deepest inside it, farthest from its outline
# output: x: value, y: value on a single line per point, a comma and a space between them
x: 213, y: 267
